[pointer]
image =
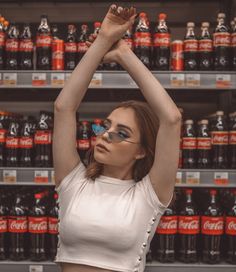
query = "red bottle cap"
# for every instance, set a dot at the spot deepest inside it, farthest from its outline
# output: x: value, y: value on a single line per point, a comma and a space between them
x: 84, y: 122
x: 162, y: 16
x: 55, y: 196
x: 97, y: 25
x: 213, y: 192
x: 189, y: 191
x: 97, y: 121
x: 142, y: 14
x: 38, y: 196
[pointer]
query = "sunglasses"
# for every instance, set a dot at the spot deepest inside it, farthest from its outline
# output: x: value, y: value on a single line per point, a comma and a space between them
x: 113, y: 137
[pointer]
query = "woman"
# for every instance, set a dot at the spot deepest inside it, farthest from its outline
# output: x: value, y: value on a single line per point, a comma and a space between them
x: 109, y: 211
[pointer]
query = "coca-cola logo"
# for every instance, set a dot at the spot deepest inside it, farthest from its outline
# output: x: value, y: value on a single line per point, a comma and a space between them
x: 58, y: 55
x: 221, y: 39
x: 41, y: 138
x: 3, y: 225
x: 82, y: 47
x: 26, y: 142
x: 206, y: 143
x: 38, y: 226
x: 14, y: 225
x: 205, y: 45
x: 232, y: 138
x: 213, y: 225
x: 70, y: 47
x: 143, y: 40
x: 162, y: 40
x: 12, y: 142
x: 233, y: 40
x: 191, y: 225
x: 12, y: 45
x: 43, y: 41
x: 53, y: 227
x: 190, y: 45
x: 220, y: 139
x: 232, y: 226
x: 26, y: 46
x: 172, y: 224
x: 177, y: 55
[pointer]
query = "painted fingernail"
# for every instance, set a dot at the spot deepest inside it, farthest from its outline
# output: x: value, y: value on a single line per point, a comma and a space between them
x: 137, y: 15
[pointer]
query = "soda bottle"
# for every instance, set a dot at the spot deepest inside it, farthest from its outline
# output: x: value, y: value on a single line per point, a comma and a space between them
x: 38, y: 227
x: 142, y: 40
x: 165, y: 236
x: 190, y: 49
x: 83, y: 139
x: 232, y: 140
x: 3, y: 132
x: 233, y: 44
x: 12, y: 144
x: 71, y: 48
x: 43, y: 45
x: 219, y: 141
x: 161, y: 45
x: 128, y: 38
x: 188, y: 230
x: 205, y: 49
x: 26, y: 48
x: 177, y: 55
x: 2, y: 43
x: 230, y: 231
x: 3, y: 227
x: 82, y: 46
x: 12, y: 48
x: 96, y: 127
x: 53, y: 227
x: 189, y: 145
x: 221, y: 43
x: 180, y: 165
x: 18, y: 227
x: 212, y: 228
x: 203, y: 145
x: 57, y: 50
x: 43, y: 140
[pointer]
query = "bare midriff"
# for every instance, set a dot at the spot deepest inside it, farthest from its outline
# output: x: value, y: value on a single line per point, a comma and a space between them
x: 69, y: 267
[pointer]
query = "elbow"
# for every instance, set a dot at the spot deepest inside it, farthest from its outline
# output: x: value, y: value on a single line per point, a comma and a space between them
x: 58, y: 107
x: 175, y: 119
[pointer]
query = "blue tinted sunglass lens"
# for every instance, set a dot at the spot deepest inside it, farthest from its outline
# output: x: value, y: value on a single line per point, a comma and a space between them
x: 98, y: 130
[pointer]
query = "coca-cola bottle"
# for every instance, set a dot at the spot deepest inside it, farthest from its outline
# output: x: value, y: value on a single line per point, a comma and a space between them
x: 12, y: 144
x: 205, y: 49
x: 96, y: 127
x: 128, y: 38
x: 230, y: 231
x: 233, y: 44
x: 43, y: 140
x: 180, y: 165
x: 71, y: 48
x: 165, y: 236
x: 2, y: 43
x: 189, y: 145
x: 3, y: 134
x: 82, y: 46
x: 188, y: 230
x: 38, y: 227
x: 190, y: 49
x: 12, y: 48
x: 26, y: 48
x: 83, y: 139
x: 57, y: 50
x: 18, y: 227
x: 203, y: 145
x: 53, y: 228
x: 212, y: 228
x: 3, y: 227
x: 219, y: 141
x: 142, y: 40
x: 161, y: 45
x: 43, y: 45
x: 232, y: 141
x: 221, y: 43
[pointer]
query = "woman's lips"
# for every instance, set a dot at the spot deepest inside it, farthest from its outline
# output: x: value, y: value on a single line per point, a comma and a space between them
x: 101, y: 146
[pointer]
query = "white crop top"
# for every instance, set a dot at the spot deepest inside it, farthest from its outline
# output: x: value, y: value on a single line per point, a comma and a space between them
x: 107, y: 223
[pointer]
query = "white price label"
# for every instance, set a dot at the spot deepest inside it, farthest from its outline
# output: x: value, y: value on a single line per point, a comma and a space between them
x: 0, y: 78
x: 9, y: 79
x: 96, y: 80
x: 57, y: 79
x: 178, y: 178
x: 193, y: 80
x: 41, y: 176
x: 221, y: 178
x: 35, y: 268
x: 39, y: 79
x: 9, y: 176
x: 53, y: 177
x: 177, y: 80
x: 223, y: 81
x: 67, y: 76
x: 192, y: 177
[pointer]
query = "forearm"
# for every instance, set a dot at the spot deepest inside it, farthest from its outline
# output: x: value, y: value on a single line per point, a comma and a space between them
x: 157, y: 97
x: 75, y: 88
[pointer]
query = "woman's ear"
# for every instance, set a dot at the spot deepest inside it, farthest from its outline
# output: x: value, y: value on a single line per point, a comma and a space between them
x: 141, y: 154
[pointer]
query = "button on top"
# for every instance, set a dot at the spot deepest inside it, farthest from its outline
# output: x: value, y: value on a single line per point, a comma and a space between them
x: 148, y: 231
x: 144, y: 245
x: 140, y: 259
x: 153, y: 219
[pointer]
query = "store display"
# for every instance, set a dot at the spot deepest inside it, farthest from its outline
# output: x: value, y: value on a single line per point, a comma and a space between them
x: 177, y: 55
x: 26, y: 48
x: 57, y: 50
x: 12, y: 48
x: 71, y: 48
x: 233, y: 43
x: 203, y: 145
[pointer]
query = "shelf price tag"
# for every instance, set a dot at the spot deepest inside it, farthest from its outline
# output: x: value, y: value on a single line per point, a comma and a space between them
x: 193, y: 80
x: 9, y: 176
x: 221, y: 178
x: 96, y: 80
x: 57, y: 79
x: 67, y: 76
x: 38, y: 79
x: 223, y: 81
x: 41, y: 176
x: 0, y: 78
x: 35, y: 268
x: 178, y: 178
x: 53, y: 176
x: 192, y: 177
x: 9, y: 79
x: 177, y: 80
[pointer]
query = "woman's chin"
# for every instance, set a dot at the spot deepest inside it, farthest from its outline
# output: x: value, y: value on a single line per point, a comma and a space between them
x: 100, y: 158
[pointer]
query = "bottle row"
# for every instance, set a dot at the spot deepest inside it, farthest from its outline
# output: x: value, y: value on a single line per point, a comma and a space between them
x: 155, y: 50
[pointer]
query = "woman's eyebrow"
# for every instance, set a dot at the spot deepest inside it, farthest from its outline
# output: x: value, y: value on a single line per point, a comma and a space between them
x: 120, y: 125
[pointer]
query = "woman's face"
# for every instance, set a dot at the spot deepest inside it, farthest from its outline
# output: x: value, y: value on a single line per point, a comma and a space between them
x: 123, y: 122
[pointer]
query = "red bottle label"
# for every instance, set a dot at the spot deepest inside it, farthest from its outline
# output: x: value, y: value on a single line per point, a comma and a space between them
x: 38, y: 224
x: 12, y: 45
x: 221, y: 39
x: 93, y: 140
x: 189, y: 225
x: 3, y: 224
x: 2, y: 39
x: 204, y: 143
x: 232, y: 137
x: 161, y: 40
x: 167, y: 225
x: 189, y: 143
x: 52, y: 225
x: 43, y: 137
x: 220, y: 137
x: 70, y: 47
x: 43, y: 41
x: 190, y: 45
x: 17, y: 224
x: 205, y: 45
x: 142, y: 39
x: 212, y: 225
x: 83, y: 144
x: 82, y: 47
x: 26, y: 142
x: 233, y: 39
x: 26, y: 46
x: 130, y: 43
x: 12, y: 142
x: 3, y: 135
x: 230, y: 225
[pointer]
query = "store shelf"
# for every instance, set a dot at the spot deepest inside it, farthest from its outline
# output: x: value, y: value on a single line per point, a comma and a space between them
x: 119, y: 80
x: 185, y: 177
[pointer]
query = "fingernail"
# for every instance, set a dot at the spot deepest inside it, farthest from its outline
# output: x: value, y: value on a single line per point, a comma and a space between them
x: 137, y: 15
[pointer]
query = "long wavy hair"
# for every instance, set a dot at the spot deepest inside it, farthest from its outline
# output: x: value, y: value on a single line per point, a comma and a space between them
x: 148, y: 124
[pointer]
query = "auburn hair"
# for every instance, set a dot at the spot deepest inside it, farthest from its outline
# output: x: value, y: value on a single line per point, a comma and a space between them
x: 148, y: 124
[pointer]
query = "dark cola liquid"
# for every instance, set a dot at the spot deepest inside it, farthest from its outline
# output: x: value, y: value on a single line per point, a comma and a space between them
x: 190, y: 49
x: 82, y: 46
x: 203, y: 146
x: 26, y: 49
x: 12, y: 48
x: 205, y: 49
x: 71, y: 48
x: 232, y: 142
x: 83, y: 140
x: 4, y: 231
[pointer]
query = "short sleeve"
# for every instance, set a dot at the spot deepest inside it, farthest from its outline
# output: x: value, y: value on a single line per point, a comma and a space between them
x: 146, y: 188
